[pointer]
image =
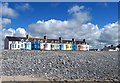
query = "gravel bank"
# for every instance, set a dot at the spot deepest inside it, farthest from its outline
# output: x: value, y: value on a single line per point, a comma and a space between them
x: 61, y: 65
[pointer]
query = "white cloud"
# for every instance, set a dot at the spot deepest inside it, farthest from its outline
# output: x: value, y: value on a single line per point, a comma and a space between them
x: 23, y: 7
x: 76, y: 27
x: 20, y: 32
x: 57, y: 28
x: 4, y: 22
x: 109, y: 34
x: 79, y: 15
x: 7, y: 11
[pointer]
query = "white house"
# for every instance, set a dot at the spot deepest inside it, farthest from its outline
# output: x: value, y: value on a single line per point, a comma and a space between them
x: 16, y: 43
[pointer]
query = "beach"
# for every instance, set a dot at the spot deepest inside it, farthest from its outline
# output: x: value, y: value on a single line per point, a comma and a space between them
x: 20, y: 65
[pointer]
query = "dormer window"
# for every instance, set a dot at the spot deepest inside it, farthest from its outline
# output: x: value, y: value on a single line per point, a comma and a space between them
x: 22, y: 40
x: 51, y: 41
x: 41, y: 41
x: 38, y: 41
x: 55, y: 41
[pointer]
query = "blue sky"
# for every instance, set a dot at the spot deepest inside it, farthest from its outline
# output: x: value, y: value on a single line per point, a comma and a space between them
x: 93, y: 21
x: 102, y: 13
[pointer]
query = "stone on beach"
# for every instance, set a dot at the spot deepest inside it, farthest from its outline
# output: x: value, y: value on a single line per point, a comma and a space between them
x: 61, y: 65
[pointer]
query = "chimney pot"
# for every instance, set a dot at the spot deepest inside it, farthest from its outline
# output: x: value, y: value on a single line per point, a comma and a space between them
x: 27, y: 36
x: 60, y: 39
x: 83, y: 40
x: 45, y: 37
x: 73, y: 40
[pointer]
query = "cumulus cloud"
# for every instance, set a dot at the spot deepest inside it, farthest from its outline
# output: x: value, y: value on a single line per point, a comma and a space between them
x: 20, y: 32
x: 77, y: 27
x: 4, y: 22
x: 7, y: 11
x: 109, y: 34
x: 79, y: 14
x: 55, y: 28
x: 51, y: 27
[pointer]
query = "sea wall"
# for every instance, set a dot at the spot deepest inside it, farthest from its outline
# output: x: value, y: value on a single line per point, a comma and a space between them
x: 61, y: 65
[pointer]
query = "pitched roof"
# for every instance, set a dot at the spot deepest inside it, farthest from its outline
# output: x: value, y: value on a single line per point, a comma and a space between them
x: 10, y: 38
x: 14, y: 38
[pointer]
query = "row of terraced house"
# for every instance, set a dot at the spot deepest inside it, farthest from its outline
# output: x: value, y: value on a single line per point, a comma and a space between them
x: 29, y: 43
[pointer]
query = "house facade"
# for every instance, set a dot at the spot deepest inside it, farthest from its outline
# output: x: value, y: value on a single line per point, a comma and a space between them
x: 28, y: 43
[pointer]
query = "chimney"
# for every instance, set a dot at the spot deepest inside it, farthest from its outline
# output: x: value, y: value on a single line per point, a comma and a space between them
x: 45, y: 37
x: 73, y: 40
x: 27, y: 36
x: 84, y: 40
x: 111, y: 45
x: 60, y: 39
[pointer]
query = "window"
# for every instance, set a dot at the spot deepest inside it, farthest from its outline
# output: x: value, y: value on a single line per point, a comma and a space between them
x: 18, y: 46
x: 45, y: 45
x: 67, y: 46
x: 15, y: 45
x: 25, y: 45
x: 21, y: 45
x: 35, y: 46
x: 12, y: 45
x: 22, y: 40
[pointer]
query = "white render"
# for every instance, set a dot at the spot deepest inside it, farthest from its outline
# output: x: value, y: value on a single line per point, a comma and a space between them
x: 14, y: 45
x: 48, y: 47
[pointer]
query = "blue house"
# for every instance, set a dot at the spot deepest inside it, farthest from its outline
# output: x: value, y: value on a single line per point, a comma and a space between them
x: 35, y: 45
x: 61, y: 46
x: 27, y: 45
x: 74, y: 46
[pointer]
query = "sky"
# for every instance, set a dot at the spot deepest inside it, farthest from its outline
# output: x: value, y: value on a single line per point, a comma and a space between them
x: 97, y: 22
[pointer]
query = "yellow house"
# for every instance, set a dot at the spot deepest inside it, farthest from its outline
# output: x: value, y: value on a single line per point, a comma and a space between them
x: 67, y: 46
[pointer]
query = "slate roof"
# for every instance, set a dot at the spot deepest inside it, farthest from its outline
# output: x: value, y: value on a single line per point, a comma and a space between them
x: 10, y: 38
x: 14, y: 38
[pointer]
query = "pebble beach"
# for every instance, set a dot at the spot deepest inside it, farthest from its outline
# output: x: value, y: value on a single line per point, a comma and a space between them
x: 61, y: 65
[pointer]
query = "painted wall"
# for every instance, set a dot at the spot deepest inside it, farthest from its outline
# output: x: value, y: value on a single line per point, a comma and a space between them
x: 74, y: 46
x: 42, y: 46
x: 48, y: 46
x: 35, y: 45
x: 55, y: 46
x: 15, y: 45
x: 61, y: 46
x: 28, y: 46
x: 82, y: 47
x: 67, y: 46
